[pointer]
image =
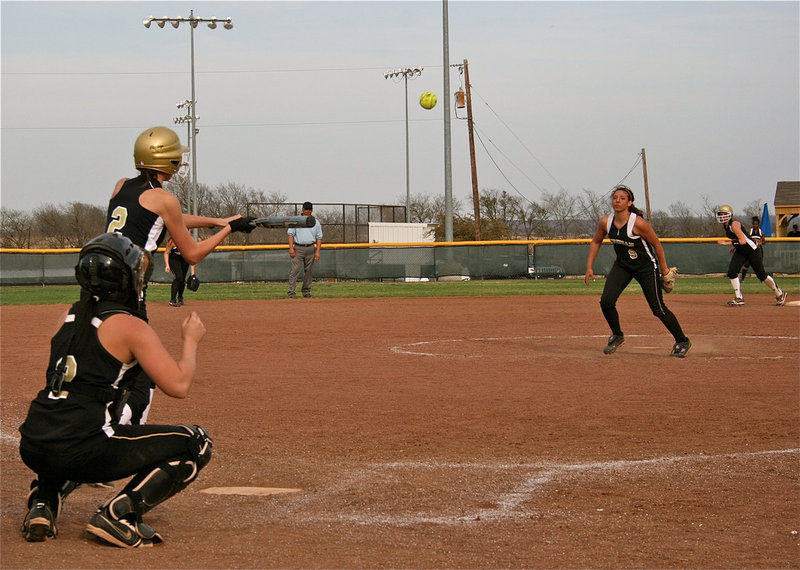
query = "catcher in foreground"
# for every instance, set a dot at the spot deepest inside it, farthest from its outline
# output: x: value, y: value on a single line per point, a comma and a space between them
x: 72, y: 431
x: 640, y: 256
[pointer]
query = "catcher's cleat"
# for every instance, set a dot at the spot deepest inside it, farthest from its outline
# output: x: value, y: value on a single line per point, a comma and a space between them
x: 174, y: 304
x: 614, y: 341
x: 681, y: 348
x: 780, y: 299
x: 121, y: 532
x: 39, y: 524
x: 736, y: 302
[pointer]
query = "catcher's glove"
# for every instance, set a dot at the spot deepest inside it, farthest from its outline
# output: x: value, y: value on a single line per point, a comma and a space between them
x: 668, y: 280
x: 193, y: 283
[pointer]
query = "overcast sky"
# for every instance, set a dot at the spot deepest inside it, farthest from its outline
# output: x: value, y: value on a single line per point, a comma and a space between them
x: 293, y: 99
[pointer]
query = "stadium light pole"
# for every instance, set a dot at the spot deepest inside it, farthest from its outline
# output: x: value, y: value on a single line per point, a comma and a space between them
x: 227, y: 23
x: 187, y: 120
x: 406, y: 73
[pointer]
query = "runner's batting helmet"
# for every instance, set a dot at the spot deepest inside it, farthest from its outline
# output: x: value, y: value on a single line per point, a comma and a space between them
x: 724, y: 213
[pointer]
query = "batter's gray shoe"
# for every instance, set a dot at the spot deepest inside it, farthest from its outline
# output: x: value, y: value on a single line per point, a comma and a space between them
x: 614, y: 341
x: 121, y: 532
x: 736, y: 302
x: 780, y: 299
x: 681, y: 348
x: 39, y: 524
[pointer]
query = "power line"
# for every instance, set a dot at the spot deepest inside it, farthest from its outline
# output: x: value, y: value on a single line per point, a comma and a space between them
x: 223, y: 71
x: 219, y: 126
x: 539, y: 162
x: 500, y: 170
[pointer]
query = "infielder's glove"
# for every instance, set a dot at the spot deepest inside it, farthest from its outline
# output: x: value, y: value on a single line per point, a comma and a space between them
x: 193, y: 283
x: 668, y: 280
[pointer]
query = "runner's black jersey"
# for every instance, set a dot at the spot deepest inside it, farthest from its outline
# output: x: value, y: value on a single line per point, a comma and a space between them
x: 632, y: 251
x: 80, y: 414
x: 745, y: 248
x: 127, y: 217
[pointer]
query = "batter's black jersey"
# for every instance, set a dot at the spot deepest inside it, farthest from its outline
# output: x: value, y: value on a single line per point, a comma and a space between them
x: 79, y: 417
x: 127, y: 217
x: 632, y: 251
x: 744, y: 248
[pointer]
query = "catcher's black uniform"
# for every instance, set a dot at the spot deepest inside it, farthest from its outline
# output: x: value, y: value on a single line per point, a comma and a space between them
x: 635, y: 260
x: 73, y: 434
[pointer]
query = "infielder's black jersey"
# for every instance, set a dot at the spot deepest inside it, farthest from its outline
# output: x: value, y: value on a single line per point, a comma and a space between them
x: 632, y: 251
x: 127, y: 217
x: 74, y: 420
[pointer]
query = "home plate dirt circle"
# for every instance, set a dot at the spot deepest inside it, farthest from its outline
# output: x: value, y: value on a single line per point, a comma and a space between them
x: 260, y: 491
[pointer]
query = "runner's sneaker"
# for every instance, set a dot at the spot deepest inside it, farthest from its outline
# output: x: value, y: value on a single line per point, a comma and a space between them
x: 735, y: 302
x: 121, y: 532
x: 39, y: 524
x: 780, y: 299
x: 681, y: 348
x: 613, y: 343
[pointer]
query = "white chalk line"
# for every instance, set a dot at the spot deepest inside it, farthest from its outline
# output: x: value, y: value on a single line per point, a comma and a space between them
x: 508, y: 503
x: 410, y: 348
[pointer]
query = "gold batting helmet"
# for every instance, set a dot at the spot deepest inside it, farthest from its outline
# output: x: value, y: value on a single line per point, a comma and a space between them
x: 158, y: 149
x: 724, y: 213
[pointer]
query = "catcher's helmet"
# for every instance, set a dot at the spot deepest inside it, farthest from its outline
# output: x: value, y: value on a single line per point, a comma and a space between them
x: 112, y: 268
x: 159, y: 149
x: 724, y: 213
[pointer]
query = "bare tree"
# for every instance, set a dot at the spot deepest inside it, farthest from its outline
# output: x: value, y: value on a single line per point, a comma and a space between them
x: 533, y: 220
x: 15, y: 228
x: 708, y: 218
x: 53, y: 226
x: 753, y: 209
x: 661, y: 222
x: 423, y: 209
x: 562, y: 208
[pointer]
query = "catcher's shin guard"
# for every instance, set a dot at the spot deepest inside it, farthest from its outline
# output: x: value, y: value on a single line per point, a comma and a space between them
x: 148, y: 489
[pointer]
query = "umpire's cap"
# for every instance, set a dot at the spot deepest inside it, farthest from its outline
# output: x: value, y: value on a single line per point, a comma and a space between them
x: 308, y: 206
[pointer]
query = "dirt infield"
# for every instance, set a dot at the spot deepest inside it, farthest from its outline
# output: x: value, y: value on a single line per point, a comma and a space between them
x: 465, y: 432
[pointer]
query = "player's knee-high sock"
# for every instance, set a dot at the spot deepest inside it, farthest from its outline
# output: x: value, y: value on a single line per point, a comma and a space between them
x: 737, y: 287
x: 772, y: 285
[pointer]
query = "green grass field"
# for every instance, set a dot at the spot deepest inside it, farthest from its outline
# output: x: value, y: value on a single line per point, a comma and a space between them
x: 38, y: 295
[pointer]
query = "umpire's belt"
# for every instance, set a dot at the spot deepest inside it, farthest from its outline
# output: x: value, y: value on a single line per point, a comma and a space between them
x: 304, y: 244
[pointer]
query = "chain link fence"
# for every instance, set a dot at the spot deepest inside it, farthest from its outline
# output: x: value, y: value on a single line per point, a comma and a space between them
x: 500, y: 260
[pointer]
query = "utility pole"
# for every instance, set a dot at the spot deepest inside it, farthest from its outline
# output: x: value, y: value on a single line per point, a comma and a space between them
x: 646, y: 187
x: 476, y: 203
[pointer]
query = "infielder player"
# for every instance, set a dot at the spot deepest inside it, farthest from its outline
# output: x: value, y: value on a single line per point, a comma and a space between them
x: 69, y: 434
x: 640, y: 256
x: 745, y: 250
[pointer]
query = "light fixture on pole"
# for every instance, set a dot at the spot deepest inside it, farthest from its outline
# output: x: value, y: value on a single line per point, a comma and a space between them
x: 405, y: 73
x: 192, y: 116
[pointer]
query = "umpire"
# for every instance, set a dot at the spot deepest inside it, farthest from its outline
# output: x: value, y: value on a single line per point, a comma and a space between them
x: 304, y: 246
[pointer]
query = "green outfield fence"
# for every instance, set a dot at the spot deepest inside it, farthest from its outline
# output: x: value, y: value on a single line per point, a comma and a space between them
x: 428, y: 261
